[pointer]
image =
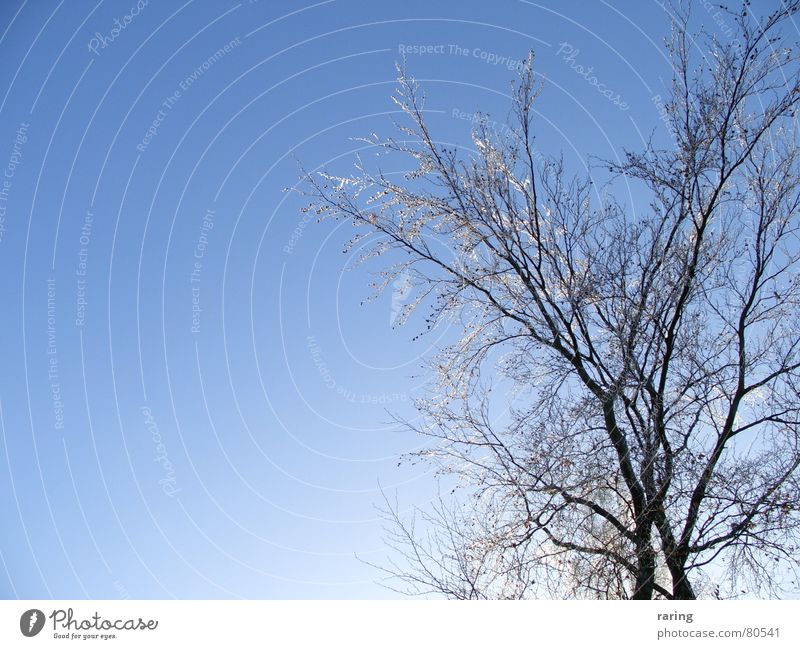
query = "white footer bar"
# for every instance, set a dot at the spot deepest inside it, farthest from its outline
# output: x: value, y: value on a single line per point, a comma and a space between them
x: 403, y: 624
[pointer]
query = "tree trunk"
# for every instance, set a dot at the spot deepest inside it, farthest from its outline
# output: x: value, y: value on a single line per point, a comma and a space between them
x: 646, y: 575
x: 681, y: 587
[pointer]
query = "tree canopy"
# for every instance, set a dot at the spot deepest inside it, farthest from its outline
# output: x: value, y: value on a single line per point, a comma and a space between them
x: 652, y: 441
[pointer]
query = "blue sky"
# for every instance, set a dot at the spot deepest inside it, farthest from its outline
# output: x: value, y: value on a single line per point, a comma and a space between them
x: 194, y: 398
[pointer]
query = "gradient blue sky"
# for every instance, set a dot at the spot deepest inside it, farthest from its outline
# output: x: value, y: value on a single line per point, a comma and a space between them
x: 148, y: 455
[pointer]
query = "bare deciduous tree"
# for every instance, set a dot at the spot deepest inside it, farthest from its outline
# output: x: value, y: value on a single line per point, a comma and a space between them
x: 651, y: 445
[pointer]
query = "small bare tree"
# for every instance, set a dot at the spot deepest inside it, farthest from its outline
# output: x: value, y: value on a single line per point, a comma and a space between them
x: 651, y: 445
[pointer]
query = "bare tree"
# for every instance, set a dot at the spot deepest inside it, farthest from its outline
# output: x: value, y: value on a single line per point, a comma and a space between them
x: 650, y: 446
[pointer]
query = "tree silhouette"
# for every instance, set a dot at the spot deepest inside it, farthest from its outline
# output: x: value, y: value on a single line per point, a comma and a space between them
x: 651, y: 444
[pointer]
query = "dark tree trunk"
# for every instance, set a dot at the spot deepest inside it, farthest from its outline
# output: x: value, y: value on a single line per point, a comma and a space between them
x: 646, y: 575
x: 681, y: 587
